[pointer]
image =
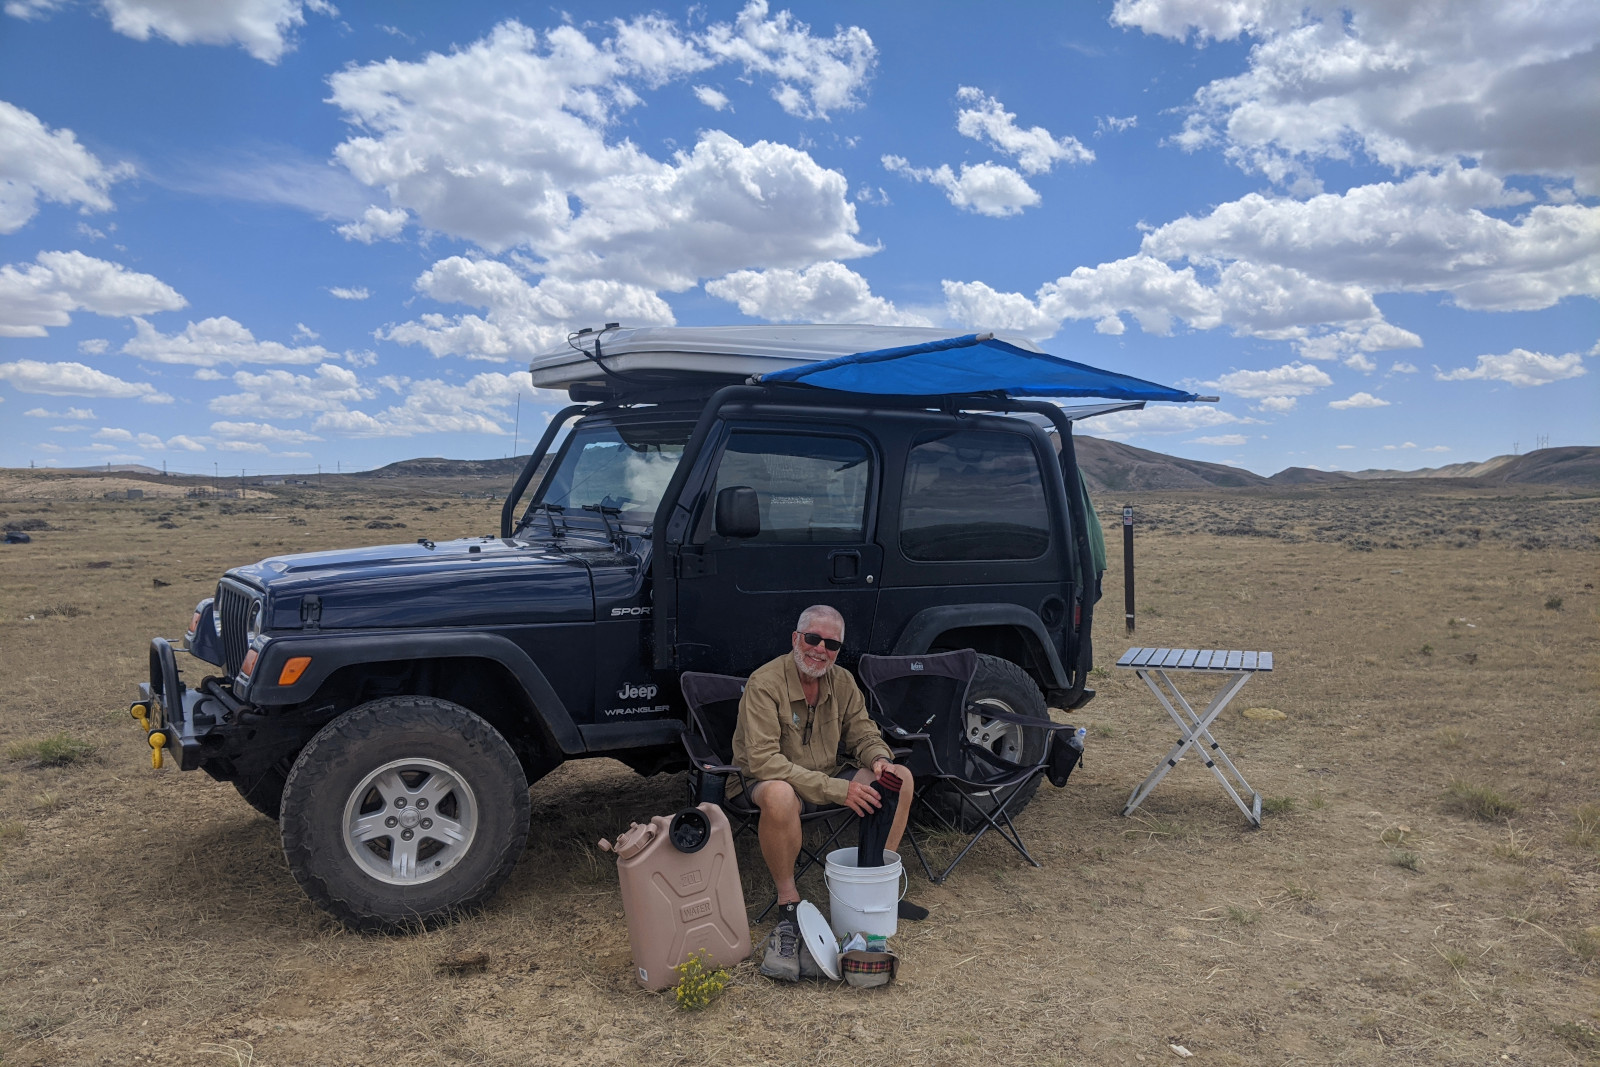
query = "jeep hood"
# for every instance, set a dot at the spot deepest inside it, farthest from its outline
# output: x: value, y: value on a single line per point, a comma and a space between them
x: 479, y: 581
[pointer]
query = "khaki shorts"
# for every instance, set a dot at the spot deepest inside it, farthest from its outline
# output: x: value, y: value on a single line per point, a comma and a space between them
x: 846, y: 772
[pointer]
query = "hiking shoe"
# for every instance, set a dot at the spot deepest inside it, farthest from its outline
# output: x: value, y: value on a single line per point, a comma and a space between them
x: 809, y: 968
x: 782, y: 958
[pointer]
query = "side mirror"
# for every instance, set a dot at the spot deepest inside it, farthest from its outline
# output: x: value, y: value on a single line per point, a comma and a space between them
x: 738, y: 512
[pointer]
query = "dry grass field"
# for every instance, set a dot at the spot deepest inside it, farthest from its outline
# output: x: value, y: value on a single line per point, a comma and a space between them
x: 1425, y: 889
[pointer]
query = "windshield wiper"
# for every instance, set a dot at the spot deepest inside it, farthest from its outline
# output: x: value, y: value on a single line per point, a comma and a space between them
x: 607, y: 513
x: 552, y: 512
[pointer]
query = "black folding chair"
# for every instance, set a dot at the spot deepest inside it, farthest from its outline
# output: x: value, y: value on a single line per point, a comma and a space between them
x: 713, y: 701
x: 922, y: 701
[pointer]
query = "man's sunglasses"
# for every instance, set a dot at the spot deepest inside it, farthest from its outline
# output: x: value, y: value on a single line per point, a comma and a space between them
x: 817, y: 639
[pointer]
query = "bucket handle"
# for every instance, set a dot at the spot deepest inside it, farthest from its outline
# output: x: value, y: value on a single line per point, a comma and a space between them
x: 905, y: 885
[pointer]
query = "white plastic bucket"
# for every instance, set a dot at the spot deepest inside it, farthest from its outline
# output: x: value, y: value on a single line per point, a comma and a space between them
x: 863, y: 899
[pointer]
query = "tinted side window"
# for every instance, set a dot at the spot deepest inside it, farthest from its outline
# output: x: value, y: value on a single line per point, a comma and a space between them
x: 813, y: 489
x: 973, y: 495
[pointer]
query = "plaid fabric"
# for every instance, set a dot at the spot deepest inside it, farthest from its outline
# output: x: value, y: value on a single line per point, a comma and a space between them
x: 861, y: 966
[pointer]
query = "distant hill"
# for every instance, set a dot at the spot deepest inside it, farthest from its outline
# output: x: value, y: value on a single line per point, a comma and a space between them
x: 1111, y: 465
x: 1571, y: 465
x: 1308, y: 476
x: 117, y: 468
x: 435, y: 467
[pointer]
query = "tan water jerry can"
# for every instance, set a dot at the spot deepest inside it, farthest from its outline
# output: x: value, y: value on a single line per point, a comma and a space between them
x: 681, y: 892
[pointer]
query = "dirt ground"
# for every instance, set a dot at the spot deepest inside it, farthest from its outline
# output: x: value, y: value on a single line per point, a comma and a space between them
x: 1424, y: 636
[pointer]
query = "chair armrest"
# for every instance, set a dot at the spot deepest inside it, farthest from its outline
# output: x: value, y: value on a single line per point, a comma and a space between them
x: 1021, y: 720
x: 702, y: 757
x: 899, y: 733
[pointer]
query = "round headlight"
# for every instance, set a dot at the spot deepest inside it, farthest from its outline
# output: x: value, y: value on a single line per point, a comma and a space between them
x: 252, y: 629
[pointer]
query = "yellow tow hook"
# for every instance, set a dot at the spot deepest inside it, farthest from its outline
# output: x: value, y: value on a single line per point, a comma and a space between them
x: 141, y: 714
x: 158, y: 741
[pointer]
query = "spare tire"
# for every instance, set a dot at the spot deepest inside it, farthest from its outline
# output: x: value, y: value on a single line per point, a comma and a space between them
x: 1003, y: 685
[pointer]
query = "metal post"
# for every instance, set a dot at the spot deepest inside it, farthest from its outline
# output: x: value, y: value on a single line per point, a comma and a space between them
x: 1127, y: 565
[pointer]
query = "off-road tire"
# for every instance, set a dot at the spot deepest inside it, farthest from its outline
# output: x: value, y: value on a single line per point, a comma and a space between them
x: 264, y: 791
x: 344, y: 754
x: 1007, y: 686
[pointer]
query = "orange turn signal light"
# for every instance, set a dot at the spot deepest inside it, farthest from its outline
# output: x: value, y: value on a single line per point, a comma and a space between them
x: 293, y: 670
x: 249, y: 663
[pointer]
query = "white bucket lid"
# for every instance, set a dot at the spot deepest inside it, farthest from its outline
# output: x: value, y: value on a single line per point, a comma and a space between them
x: 818, y: 937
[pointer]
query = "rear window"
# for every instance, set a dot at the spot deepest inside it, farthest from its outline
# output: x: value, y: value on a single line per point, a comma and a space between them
x: 973, y: 495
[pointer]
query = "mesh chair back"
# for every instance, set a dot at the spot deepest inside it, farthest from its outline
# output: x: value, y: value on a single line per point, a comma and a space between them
x: 925, y: 694
x: 713, y: 701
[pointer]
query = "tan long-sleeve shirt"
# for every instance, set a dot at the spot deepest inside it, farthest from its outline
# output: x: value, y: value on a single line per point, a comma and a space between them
x: 767, y: 742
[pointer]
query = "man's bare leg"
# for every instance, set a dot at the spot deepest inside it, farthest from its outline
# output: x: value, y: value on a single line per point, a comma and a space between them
x: 779, y: 833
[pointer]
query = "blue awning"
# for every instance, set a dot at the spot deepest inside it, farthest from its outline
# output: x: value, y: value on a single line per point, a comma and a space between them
x: 975, y: 364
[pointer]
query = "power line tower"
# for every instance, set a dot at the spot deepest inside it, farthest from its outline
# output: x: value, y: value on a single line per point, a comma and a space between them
x: 1541, y: 441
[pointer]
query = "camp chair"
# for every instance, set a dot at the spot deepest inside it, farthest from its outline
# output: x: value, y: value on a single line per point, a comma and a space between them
x: 922, y: 701
x: 713, y: 701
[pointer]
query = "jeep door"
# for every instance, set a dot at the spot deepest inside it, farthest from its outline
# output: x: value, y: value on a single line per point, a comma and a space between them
x: 738, y: 598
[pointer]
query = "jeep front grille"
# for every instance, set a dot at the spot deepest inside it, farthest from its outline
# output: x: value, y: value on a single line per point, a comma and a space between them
x: 233, y: 608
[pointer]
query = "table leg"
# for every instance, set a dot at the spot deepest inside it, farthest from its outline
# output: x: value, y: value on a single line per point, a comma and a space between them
x: 1196, y: 732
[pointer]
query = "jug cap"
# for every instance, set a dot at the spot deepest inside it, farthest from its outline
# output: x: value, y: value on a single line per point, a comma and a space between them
x: 633, y: 840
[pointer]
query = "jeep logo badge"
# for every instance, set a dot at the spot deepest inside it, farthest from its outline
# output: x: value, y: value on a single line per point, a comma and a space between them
x: 638, y: 692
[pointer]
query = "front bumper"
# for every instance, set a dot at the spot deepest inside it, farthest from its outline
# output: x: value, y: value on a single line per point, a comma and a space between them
x: 183, y: 717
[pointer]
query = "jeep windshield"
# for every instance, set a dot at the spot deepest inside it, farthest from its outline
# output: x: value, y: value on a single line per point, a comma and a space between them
x: 609, y: 466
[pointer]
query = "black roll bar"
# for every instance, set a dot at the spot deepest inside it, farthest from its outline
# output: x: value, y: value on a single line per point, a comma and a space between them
x: 508, y: 509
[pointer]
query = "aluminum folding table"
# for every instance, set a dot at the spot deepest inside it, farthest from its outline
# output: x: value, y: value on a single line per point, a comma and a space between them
x: 1156, y: 666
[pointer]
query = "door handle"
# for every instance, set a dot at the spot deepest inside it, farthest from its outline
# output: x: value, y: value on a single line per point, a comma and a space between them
x: 844, y: 566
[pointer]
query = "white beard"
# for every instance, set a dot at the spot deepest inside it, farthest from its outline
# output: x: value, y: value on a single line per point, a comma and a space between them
x: 805, y: 668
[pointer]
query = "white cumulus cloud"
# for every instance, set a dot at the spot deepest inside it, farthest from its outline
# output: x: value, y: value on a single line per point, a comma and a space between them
x: 281, y: 394
x: 214, y: 342
x: 1227, y: 440
x: 432, y: 406
x: 521, y: 318
x: 715, y: 99
x: 263, y: 28
x: 37, y: 163
x: 1519, y: 367
x: 1289, y: 380
x: 1166, y: 419
x: 78, y: 414
x: 822, y: 292
x: 76, y: 379
x: 985, y: 188
x: 37, y: 296
x: 342, y: 293
x: 503, y: 142
x: 262, y: 432
x: 815, y: 75
x: 1359, y: 400
x: 1036, y: 150
x: 1515, y: 87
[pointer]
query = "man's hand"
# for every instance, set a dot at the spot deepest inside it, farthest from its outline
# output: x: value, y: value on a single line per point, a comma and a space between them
x: 862, y: 799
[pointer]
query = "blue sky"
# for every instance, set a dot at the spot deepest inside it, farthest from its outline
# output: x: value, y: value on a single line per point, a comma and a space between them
x: 267, y: 235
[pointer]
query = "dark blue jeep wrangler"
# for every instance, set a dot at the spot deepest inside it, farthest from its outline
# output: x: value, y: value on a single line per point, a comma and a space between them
x: 390, y: 705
